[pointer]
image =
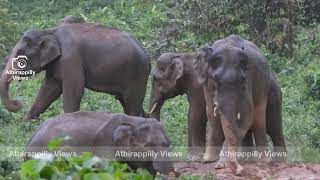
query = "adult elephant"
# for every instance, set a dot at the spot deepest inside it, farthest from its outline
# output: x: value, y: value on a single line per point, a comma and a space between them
x: 78, y: 55
x: 174, y: 75
x: 241, y: 88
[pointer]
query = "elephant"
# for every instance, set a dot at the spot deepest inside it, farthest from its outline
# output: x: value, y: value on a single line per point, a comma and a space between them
x: 244, y: 96
x: 102, y: 132
x: 186, y: 82
x: 174, y: 75
x: 76, y: 55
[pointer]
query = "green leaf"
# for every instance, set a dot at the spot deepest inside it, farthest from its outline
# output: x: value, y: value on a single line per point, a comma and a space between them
x: 79, y: 160
x: 32, y: 168
x: 105, y: 176
x: 98, y: 176
x: 53, y: 144
x: 48, y: 172
x: 89, y: 163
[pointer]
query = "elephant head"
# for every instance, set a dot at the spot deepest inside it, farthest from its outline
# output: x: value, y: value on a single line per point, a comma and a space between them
x: 146, y: 136
x: 165, y: 76
x: 225, y: 69
x: 40, y: 48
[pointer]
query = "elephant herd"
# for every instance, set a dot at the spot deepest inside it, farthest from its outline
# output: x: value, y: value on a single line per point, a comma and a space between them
x: 234, y: 98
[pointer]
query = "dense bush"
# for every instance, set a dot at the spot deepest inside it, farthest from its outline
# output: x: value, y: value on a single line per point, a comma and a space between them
x: 85, y: 166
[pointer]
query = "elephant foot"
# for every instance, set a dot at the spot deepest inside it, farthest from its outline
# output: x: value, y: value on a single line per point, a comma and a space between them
x: 233, y: 165
x: 282, y: 154
x: 210, y: 157
x: 239, y: 169
x: 193, y: 157
x: 221, y: 164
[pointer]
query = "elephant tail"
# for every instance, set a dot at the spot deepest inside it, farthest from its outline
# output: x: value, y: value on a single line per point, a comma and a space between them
x: 274, y: 118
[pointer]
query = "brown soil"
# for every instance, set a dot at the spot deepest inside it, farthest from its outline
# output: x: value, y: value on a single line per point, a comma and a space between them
x: 265, y: 171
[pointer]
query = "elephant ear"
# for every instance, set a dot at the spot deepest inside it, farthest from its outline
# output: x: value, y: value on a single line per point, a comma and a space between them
x: 143, y: 134
x: 49, y: 49
x: 201, y: 65
x: 174, y: 71
x: 122, y: 135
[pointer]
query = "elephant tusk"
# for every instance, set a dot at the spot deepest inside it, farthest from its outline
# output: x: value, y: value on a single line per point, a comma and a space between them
x: 215, y: 111
x: 215, y: 108
x: 10, y: 79
x: 238, y: 116
x: 158, y: 174
x: 153, y: 107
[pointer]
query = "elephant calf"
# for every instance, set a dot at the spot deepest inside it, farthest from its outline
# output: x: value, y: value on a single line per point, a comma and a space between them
x: 105, y: 131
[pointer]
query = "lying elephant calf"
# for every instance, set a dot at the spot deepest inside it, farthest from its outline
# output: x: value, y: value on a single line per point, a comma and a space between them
x: 98, y: 130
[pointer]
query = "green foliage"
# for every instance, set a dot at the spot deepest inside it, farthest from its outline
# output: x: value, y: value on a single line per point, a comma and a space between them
x: 53, y: 144
x: 7, y: 28
x: 85, y: 166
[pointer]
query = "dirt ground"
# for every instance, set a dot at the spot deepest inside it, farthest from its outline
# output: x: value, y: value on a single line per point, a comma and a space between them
x: 275, y: 170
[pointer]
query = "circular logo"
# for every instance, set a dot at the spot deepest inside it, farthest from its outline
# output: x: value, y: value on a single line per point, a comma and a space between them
x: 21, y: 63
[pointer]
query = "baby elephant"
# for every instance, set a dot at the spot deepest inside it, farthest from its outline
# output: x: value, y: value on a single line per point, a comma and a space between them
x: 102, y: 132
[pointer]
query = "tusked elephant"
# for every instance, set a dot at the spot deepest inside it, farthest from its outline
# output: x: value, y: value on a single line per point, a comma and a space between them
x: 175, y: 75
x: 76, y: 55
x: 184, y: 80
x: 244, y: 95
x: 104, y: 134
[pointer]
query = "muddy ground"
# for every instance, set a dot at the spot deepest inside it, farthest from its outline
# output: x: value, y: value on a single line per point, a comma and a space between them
x: 268, y: 170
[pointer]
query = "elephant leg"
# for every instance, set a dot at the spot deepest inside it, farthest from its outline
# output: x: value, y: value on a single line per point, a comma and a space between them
x: 50, y: 91
x: 73, y: 89
x: 259, y: 128
x: 274, y: 121
x: 247, y: 143
x: 133, y: 103
x: 215, y: 137
x: 196, y: 130
x: 121, y: 100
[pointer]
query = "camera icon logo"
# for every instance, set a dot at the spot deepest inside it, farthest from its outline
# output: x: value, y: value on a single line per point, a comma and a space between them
x: 19, y: 63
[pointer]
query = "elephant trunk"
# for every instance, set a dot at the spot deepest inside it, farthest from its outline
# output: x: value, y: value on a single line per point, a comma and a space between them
x: 229, y: 116
x: 6, y: 78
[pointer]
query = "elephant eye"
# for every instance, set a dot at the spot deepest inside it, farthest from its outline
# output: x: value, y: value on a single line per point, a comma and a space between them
x: 215, y: 61
x: 243, y: 64
x: 150, y: 144
x: 164, y: 144
x: 28, y: 52
x: 156, y: 74
x: 27, y: 40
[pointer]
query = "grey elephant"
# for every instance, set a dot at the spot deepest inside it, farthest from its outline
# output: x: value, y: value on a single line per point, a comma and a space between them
x: 102, y: 132
x: 244, y: 96
x: 175, y: 75
x: 76, y: 55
